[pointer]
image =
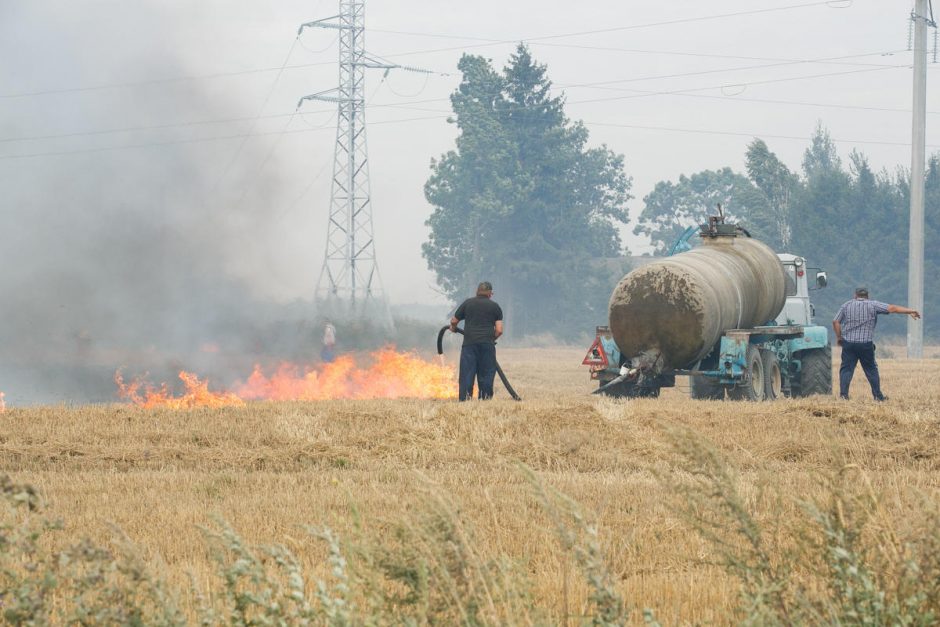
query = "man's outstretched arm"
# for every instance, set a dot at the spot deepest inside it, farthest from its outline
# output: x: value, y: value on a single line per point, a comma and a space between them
x: 913, y: 313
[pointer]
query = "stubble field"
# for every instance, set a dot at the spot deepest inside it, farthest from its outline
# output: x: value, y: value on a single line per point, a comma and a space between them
x: 269, y: 468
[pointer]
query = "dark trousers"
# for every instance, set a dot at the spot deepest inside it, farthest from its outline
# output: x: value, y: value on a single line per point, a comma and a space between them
x: 852, y: 353
x: 477, y: 361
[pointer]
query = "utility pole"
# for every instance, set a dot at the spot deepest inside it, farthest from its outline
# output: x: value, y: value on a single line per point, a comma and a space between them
x: 350, y: 273
x: 915, y: 275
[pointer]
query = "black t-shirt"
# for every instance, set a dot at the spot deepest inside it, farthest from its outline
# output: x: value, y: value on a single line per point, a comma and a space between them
x: 480, y: 315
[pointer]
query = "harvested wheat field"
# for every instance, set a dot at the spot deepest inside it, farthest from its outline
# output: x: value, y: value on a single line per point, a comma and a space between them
x: 446, y: 485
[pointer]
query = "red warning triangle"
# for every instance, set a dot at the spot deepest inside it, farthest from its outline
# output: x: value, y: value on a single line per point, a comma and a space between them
x: 596, y: 355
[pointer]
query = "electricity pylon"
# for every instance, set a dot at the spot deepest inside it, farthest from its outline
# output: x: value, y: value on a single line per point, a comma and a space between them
x: 350, y: 273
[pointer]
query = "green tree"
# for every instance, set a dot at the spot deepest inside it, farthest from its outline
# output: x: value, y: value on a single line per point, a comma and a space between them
x: 524, y: 202
x: 848, y: 219
x: 853, y: 223
x: 821, y: 219
x: 779, y: 187
x: 673, y: 207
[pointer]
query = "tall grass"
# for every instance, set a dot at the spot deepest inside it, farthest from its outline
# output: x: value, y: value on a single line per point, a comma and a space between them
x: 843, y: 561
x: 428, y: 571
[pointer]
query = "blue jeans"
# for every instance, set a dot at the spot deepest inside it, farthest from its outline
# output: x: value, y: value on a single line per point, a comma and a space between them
x: 477, y: 361
x: 852, y: 353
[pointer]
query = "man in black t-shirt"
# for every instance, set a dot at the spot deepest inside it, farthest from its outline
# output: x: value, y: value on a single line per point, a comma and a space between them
x: 483, y: 324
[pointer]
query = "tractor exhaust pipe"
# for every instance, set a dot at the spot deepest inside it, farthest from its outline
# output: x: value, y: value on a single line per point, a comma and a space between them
x: 499, y: 371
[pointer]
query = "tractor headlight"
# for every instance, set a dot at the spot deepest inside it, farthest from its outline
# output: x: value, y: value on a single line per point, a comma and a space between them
x: 798, y: 262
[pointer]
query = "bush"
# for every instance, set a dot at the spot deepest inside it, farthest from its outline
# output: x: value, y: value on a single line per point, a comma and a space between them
x: 82, y: 583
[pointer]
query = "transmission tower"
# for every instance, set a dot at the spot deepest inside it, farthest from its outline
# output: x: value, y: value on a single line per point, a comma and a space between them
x: 350, y: 273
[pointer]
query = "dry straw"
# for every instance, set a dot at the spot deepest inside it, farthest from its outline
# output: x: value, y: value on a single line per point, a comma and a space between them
x: 811, y: 510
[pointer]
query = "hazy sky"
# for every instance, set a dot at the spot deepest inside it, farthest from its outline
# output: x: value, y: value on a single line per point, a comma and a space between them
x: 258, y: 206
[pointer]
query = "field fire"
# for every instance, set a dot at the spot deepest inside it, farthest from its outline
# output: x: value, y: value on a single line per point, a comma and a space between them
x: 391, y: 374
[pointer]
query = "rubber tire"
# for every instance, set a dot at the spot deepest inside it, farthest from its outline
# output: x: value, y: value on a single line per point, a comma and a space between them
x: 773, y: 377
x: 753, y: 390
x: 703, y: 388
x: 816, y: 372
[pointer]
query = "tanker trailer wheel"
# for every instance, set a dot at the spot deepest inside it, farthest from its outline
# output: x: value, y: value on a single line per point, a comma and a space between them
x: 705, y: 389
x: 773, y: 378
x: 816, y: 372
x: 753, y: 388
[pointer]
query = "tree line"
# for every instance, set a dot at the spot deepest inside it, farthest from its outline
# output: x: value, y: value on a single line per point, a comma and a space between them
x: 524, y: 202
x: 846, y: 218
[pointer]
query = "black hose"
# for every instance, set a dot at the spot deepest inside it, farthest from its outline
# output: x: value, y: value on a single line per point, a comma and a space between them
x: 499, y: 371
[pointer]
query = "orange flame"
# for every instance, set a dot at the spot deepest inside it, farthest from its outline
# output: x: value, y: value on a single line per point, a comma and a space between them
x: 391, y: 375
x: 197, y: 394
x: 3, y: 404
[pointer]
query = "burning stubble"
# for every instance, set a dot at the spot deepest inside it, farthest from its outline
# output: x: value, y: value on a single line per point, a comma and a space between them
x: 390, y: 374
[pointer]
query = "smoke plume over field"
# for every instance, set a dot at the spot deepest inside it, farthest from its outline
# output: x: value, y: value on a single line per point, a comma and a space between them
x: 143, y: 258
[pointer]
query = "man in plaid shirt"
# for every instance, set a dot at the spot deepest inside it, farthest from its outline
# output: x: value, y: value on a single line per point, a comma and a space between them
x: 855, y: 333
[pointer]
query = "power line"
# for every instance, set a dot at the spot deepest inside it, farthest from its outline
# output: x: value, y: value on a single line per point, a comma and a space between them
x: 158, y: 81
x: 614, y: 29
x: 257, y: 117
x: 707, y: 55
x: 800, y: 103
x: 646, y: 94
x: 747, y: 134
x: 691, y: 93
x: 643, y: 94
x: 421, y: 119
x: 602, y: 85
x: 490, y: 42
x: 734, y: 69
x: 745, y: 83
x: 151, y: 127
x: 199, y: 140
x: 280, y: 136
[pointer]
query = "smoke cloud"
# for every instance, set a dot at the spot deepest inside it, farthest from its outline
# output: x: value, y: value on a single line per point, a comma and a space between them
x: 148, y: 258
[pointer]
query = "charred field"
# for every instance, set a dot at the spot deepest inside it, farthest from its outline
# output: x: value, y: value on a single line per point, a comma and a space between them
x: 643, y: 520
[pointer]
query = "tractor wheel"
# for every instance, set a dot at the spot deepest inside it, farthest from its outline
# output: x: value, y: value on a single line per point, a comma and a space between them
x: 773, y: 378
x: 705, y: 389
x: 816, y: 372
x: 753, y: 388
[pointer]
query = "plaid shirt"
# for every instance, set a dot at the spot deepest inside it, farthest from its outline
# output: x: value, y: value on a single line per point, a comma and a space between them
x: 858, y: 318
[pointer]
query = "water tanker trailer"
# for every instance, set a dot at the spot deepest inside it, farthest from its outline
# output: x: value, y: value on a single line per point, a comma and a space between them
x: 730, y: 314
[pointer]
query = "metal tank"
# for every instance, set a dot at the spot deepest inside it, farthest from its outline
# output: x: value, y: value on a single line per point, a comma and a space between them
x: 670, y: 313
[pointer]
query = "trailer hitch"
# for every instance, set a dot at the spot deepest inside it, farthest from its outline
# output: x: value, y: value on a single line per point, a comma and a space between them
x: 499, y: 370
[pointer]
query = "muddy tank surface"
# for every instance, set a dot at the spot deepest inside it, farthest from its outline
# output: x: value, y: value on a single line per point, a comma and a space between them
x: 674, y: 310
